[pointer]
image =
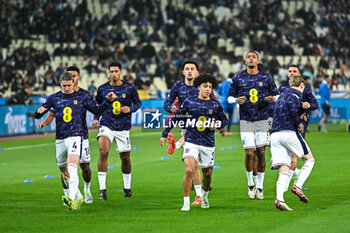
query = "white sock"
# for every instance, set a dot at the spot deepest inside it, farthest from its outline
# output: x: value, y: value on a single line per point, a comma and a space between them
x: 177, y: 145
x: 250, y: 178
x: 73, y: 180
x: 205, y: 194
x: 102, y: 180
x: 296, y: 172
x: 256, y: 180
x: 281, y: 184
x: 291, y: 173
x: 87, y: 187
x: 66, y: 192
x: 127, y: 180
x: 305, y: 172
x: 78, y: 196
x: 260, y: 183
x: 186, y: 199
x: 198, y: 189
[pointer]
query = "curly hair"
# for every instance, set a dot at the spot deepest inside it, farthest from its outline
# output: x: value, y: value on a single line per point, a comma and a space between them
x: 205, y: 78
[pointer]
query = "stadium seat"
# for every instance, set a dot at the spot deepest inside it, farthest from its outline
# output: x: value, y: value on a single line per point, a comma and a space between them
x: 160, y: 84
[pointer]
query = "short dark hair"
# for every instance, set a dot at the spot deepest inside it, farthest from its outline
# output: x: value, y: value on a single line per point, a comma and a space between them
x: 297, y: 68
x: 73, y: 68
x: 205, y: 78
x: 115, y: 64
x: 190, y: 62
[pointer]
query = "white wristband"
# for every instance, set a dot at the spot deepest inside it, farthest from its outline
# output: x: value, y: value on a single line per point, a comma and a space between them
x: 231, y: 100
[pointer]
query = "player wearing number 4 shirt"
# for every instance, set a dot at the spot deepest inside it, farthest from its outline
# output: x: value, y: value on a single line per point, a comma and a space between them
x: 115, y: 124
x: 204, y: 115
x: 70, y: 107
x: 85, y: 156
x: 253, y: 89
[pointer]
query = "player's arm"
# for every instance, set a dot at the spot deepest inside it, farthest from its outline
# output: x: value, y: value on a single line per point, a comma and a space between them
x: 44, y: 108
x: 311, y: 102
x: 233, y: 93
x: 49, y: 118
x: 99, y: 100
x: 168, y: 103
x: 92, y: 106
x: 136, y: 102
x: 293, y: 106
x: 274, y: 93
x: 221, y: 117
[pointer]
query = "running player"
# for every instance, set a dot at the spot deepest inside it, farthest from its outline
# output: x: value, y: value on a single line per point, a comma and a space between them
x: 286, y: 139
x: 309, y: 103
x: 178, y: 93
x: 253, y: 90
x: 206, y: 114
x: 325, y: 93
x: 70, y: 108
x: 115, y: 124
x: 85, y: 157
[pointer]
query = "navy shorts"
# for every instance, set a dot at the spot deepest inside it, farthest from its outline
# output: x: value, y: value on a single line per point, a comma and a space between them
x: 326, y: 109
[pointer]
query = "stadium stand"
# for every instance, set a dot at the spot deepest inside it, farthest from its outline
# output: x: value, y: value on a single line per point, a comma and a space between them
x: 39, y: 38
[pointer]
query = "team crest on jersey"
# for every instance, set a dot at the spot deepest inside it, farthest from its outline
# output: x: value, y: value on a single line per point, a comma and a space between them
x: 210, y: 111
x: 123, y: 95
x: 260, y: 84
x: 75, y: 102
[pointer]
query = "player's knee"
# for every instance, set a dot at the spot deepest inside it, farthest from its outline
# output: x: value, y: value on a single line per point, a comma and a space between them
x: 207, y: 174
x: 189, y: 172
x: 104, y: 154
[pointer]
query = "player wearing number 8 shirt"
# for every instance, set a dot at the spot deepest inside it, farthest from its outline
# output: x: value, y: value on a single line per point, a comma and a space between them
x: 206, y: 114
x: 115, y: 124
x: 253, y: 89
x: 70, y: 108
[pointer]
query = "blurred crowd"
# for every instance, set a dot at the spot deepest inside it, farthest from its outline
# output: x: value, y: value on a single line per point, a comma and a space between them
x: 182, y: 31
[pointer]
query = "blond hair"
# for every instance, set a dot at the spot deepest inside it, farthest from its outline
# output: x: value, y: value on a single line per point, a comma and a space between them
x: 67, y: 76
x: 295, y: 81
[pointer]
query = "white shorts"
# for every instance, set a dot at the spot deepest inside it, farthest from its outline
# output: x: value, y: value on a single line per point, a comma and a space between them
x: 283, y: 144
x: 122, y: 138
x: 69, y: 146
x: 254, y: 134
x: 204, y: 155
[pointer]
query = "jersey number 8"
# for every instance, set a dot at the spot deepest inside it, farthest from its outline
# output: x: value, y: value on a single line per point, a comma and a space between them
x: 67, y: 114
x: 253, y: 95
x: 116, y: 107
x: 202, y: 119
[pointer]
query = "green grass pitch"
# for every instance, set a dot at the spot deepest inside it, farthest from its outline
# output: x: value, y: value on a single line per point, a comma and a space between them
x: 157, y: 189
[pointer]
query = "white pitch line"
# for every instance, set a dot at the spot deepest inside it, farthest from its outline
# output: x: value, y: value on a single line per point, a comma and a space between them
x: 26, y: 147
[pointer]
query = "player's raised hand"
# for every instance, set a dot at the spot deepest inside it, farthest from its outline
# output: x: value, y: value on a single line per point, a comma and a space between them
x: 163, y: 141
x: 270, y: 99
x: 174, y: 109
x: 305, y: 105
x: 125, y: 109
x: 111, y: 96
x: 241, y: 100
x: 41, y: 109
x: 95, y: 123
